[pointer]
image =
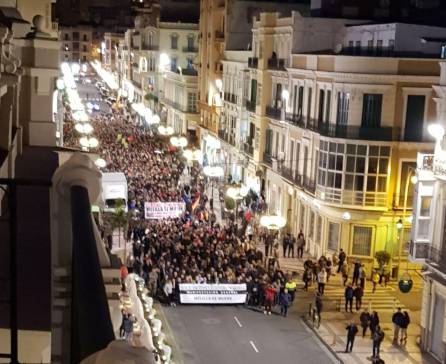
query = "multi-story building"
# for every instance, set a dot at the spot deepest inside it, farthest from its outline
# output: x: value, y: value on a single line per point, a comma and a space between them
x: 336, y: 119
x: 428, y: 244
x: 225, y: 25
x: 158, y: 54
x: 79, y: 43
x: 109, y: 50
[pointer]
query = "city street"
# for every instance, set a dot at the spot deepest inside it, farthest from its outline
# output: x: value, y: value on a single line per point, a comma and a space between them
x: 231, y: 334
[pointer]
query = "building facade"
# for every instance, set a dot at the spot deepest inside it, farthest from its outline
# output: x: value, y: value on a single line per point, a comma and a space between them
x: 79, y: 43
x: 428, y: 244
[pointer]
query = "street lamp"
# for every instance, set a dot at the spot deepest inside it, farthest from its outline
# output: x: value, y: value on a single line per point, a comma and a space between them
x: 179, y: 142
x: 272, y: 222
x: 88, y: 142
x: 213, y: 172
x: 436, y: 131
x: 193, y: 155
x: 100, y: 163
x: 165, y: 130
x: 237, y: 194
x: 84, y: 128
x: 410, y: 178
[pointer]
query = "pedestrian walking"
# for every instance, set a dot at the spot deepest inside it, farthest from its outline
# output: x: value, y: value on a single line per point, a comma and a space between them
x: 356, y: 272
x: 328, y: 268
x: 378, y: 337
x: 364, y: 318
x: 358, y: 293
x: 306, y: 278
x: 375, y: 280
x: 344, y: 272
x: 404, y: 326
x: 284, y: 302
x: 348, y: 295
x: 398, y: 321
x: 352, y: 330
x: 291, y: 246
x: 285, y: 244
x: 341, y: 259
x: 318, y: 305
x: 300, y: 244
x: 270, y: 294
x: 291, y: 286
x: 362, y: 276
x: 321, y: 281
x: 374, y: 322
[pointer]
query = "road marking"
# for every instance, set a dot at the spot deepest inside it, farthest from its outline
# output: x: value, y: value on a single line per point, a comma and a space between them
x: 253, y: 346
x: 238, y: 322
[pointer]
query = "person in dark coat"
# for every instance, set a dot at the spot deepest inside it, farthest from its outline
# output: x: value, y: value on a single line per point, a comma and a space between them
x: 348, y: 295
x: 352, y: 330
x: 378, y: 337
x: 398, y: 321
x: 364, y: 318
x: 358, y: 293
x: 318, y: 305
x: 374, y: 322
x: 404, y: 325
x: 356, y: 271
x: 342, y: 257
x: 284, y: 302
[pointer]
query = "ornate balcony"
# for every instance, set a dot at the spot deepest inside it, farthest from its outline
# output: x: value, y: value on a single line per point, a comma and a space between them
x: 250, y: 105
x: 276, y: 64
x: 253, y: 62
x: 273, y: 112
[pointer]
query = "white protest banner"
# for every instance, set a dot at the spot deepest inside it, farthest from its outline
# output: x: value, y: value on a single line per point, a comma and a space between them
x: 163, y: 210
x: 213, y: 293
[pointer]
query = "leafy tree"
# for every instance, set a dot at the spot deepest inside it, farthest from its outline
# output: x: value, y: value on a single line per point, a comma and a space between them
x: 119, y: 220
x: 229, y: 203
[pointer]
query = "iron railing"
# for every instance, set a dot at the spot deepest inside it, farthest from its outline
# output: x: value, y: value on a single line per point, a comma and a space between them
x: 276, y: 64
x: 248, y: 148
x: 253, y: 62
x: 190, y: 49
x: 250, y: 105
x: 273, y: 112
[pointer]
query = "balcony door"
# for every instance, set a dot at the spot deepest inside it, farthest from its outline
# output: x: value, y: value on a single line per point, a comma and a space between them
x: 342, y: 111
x: 413, y: 129
x: 278, y: 96
x: 253, y: 92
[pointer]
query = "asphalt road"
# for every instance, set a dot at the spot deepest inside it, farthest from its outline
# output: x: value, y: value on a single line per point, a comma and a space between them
x: 230, y: 334
x: 89, y: 92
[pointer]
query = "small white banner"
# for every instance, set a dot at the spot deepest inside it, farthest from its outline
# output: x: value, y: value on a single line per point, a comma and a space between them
x: 163, y: 210
x: 213, y: 293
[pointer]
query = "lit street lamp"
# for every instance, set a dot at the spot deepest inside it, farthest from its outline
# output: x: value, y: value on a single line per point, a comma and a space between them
x: 193, y: 155
x: 213, y: 172
x: 179, y: 142
x: 237, y: 194
x: 165, y: 130
x: 88, y: 142
x: 100, y: 163
x: 272, y: 222
x: 84, y: 128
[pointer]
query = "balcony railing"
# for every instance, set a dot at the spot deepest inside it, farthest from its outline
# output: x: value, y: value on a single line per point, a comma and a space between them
x: 251, y: 105
x: 354, y: 131
x: 276, y: 64
x: 150, y: 47
x: 248, y: 148
x: 253, y: 62
x: 190, y: 49
x: 384, y: 52
x: 273, y: 112
x: 294, y: 119
x: 267, y: 159
x: 230, y: 98
x: 309, y: 184
x: 436, y: 258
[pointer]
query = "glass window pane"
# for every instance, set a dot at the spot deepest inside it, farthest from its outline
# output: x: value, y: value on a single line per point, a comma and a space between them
x: 362, y: 150
x: 382, y: 184
x: 383, y: 162
x: 359, y: 183
x: 333, y: 147
x: 333, y: 236
x: 425, y: 206
x: 373, y: 165
x: 351, y: 149
x: 385, y: 151
x: 331, y: 161
x: 350, y: 164
x: 360, y: 165
x: 371, y: 183
x: 339, y: 162
x: 330, y: 179
x: 338, y: 180
x: 374, y: 150
x: 349, y: 182
x: 341, y: 148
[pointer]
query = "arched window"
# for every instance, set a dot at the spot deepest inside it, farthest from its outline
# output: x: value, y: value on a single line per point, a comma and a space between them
x: 143, y: 64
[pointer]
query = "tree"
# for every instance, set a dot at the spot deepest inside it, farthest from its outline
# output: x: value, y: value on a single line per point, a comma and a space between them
x: 229, y: 203
x: 119, y: 219
x: 382, y: 257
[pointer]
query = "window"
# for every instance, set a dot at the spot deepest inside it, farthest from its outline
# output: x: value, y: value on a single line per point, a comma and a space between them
x: 75, y: 46
x: 355, y: 167
x: 268, y: 141
x: 328, y: 107
x: 174, y: 41
x: 371, y: 110
x: 343, y: 105
x: 84, y: 48
x: 85, y: 39
x: 413, y: 130
x: 425, y: 206
x: 190, y: 63
x: 319, y: 230
x: 350, y: 44
x: 362, y: 240
x: 173, y: 64
x: 302, y: 218
x: 391, y: 45
x: 320, y: 117
x: 370, y: 46
x: 377, y: 172
x: 406, y: 167
x: 379, y: 46
x: 66, y: 36
x: 311, y: 225
x: 333, y: 236
x: 296, y: 159
x: 190, y: 42
x: 309, y: 104
x: 358, y: 47
x: 75, y: 35
x: 330, y: 164
x: 191, y: 102
x: 300, y: 101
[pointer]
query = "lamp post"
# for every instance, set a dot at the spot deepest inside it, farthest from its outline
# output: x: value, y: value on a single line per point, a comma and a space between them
x: 410, y: 178
x: 272, y: 222
x: 237, y: 194
x: 213, y: 172
x: 165, y: 130
x: 179, y: 142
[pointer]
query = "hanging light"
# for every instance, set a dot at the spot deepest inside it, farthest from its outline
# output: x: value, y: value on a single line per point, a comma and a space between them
x: 165, y: 130
x: 179, y: 142
x: 101, y: 163
x: 273, y: 222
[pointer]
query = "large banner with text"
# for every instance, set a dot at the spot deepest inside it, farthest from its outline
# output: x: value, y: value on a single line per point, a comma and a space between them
x: 213, y: 293
x: 163, y: 210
